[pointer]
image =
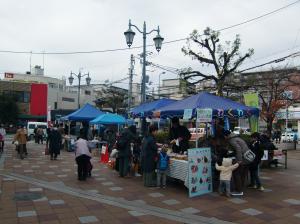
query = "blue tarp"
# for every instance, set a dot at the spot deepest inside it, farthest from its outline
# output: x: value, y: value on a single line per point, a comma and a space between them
x: 85, y: 113
x: 221, y: 107
x: 146, y: 109
x: 109, y: 119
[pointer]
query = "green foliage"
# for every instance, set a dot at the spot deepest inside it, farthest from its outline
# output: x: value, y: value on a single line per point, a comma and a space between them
x: 162, y: 137
x: 9, y: 110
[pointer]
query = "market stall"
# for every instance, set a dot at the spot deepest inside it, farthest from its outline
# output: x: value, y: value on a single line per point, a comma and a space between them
x: 195, y: 169
x: 146, y: 109
x: 108, y: 119
x: 84, y: 114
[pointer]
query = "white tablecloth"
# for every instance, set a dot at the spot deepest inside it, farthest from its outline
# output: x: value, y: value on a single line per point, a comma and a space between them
x: 178, y: 169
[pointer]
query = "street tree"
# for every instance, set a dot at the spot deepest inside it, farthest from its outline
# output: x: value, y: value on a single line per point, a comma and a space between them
x: 223, y: 59
x: 9, y: 110
x: 271, y: 87
x: 113, y: 98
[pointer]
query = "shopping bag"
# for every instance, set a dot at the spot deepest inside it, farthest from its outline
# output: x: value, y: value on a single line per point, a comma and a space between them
x: 46, y: 150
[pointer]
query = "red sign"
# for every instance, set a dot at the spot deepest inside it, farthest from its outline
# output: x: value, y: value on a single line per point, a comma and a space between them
x: 9, y: 75
x: 38, y: 102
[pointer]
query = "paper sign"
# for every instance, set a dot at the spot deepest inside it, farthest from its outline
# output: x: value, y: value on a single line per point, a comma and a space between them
x: 266, y: 155
x: 103, y: 149
x: 199, y: 171
x: 204, y: 115
x: 187, y: 114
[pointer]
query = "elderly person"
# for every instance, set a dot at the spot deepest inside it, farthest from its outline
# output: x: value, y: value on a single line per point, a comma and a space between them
x: 83, y: 156
x: 239, y: 147
x: 21, y: 139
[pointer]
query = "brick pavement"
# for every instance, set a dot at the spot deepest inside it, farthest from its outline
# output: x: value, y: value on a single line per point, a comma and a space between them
x: 133, y: 203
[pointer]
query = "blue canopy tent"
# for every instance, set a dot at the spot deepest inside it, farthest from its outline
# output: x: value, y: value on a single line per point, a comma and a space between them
x: 221, y: 107
x: 109, y: 119
x: 146, y: 109
x: 85, y: 113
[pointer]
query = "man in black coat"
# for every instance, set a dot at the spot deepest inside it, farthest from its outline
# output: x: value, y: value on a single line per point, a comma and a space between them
x: 54, y: 140
x: 179, y: 136
x: 124, y: 149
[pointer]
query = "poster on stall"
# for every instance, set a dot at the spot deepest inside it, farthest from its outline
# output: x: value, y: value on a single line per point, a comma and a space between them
x: 204, y: 115
x: 187, y: 114
x: 199, y: 172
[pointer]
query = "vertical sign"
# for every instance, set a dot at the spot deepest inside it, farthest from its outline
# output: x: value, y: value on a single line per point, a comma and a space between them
x: 49, y: 116
x: 199, y: 171
x: 204, y: 115
x: 251, y: 99
x: 187, y: 114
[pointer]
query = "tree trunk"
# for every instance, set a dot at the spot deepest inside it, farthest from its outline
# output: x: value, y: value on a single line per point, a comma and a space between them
x: 269, y: 126
x: 220, y: 89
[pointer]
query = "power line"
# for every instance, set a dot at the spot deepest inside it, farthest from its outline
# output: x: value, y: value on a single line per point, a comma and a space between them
x: 138, y: 47
x: 273, y: 61
x: 259, y: 17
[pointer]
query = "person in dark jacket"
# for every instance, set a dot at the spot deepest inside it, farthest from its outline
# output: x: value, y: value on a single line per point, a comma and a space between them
x: 54, y: 140
x: 149, y: 156
x: 254, y: 166
x: 124, y: 153
x: 179, y: 136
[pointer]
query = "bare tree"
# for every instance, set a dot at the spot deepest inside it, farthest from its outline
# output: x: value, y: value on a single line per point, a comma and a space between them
x: 225, y: 60
x: 112, y: 97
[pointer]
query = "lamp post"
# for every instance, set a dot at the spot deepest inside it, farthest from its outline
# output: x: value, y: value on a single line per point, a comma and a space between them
x: 79, y: 76
x: 159, y: 83
x: 129, y: 34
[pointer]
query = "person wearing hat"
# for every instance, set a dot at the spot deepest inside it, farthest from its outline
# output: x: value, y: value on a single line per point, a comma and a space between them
x: 179, y: 136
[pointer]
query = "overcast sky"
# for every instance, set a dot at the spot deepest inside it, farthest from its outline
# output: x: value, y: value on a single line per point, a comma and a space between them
x: 87, y: 25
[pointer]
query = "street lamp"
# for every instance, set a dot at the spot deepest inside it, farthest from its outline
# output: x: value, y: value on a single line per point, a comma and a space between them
x: 129, y: 34
x: 79, y: 76
x: 159, y: 83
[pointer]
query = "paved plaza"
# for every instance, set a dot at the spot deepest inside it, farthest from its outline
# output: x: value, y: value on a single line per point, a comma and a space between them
x: 37, y: 190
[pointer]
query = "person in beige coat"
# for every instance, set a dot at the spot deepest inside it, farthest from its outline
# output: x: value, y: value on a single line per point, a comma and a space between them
x: 225, y: 175
x: 21, y: 139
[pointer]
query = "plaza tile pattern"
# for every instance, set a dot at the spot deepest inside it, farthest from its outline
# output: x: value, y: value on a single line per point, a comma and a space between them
x: 274, y: 205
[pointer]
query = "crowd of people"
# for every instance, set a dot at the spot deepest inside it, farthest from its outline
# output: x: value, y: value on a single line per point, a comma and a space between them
x: 233, y: 159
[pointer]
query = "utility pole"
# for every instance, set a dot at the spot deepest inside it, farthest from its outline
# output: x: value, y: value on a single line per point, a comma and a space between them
x: 130, y: 82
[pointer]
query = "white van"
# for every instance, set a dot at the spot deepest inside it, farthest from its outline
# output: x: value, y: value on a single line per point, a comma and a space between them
x: 31, y: 125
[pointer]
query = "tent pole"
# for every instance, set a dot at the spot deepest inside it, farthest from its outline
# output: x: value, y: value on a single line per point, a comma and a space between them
x: 69, y: 128
x: 197, y: 124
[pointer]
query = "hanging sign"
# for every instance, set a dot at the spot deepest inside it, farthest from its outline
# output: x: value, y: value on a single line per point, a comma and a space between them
x: 199, y: 172
x: 204, y: 115
x: 187, y: 114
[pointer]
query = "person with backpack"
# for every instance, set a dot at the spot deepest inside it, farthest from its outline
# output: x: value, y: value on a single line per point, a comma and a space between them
x: 244, y: 156
x: 162, y: 166
x: 254, y: 166
x: 124, y: 149
x: 149, y: 157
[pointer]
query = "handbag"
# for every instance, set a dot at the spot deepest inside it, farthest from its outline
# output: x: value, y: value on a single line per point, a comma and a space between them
x: 46, y: 150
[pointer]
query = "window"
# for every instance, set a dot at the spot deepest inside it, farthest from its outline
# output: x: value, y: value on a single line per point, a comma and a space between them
x: 26, y: 97
x: 67, y: 99
x: 87, y: 92
x: 31, y: 126
x: 52, y: 85
x: 55, y: 105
